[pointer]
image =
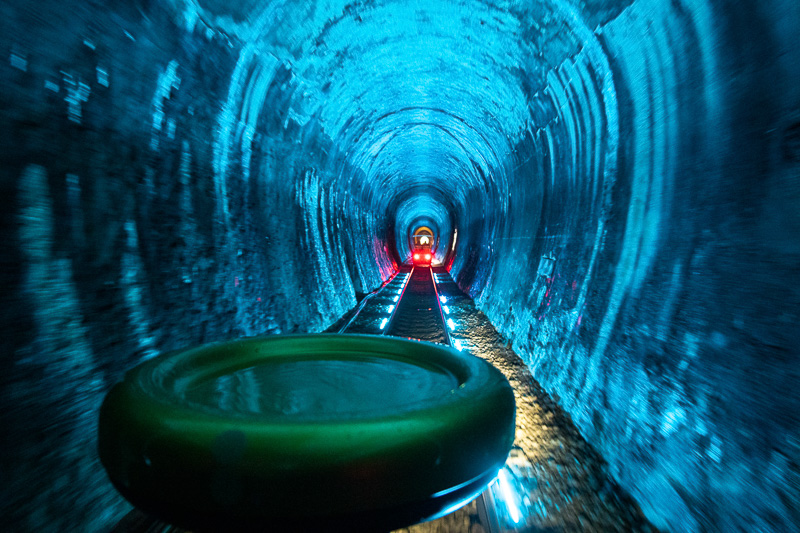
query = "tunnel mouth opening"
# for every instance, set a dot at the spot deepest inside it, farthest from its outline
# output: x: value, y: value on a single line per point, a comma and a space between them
x: 423, y: 238
x: 423, y: 243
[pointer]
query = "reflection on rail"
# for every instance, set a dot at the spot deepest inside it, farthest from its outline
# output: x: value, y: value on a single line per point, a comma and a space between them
x: 392, y: 309
x: 364, y: 301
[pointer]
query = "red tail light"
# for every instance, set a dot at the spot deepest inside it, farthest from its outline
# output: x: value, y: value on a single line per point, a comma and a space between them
x: 416, y: 257
x: 427, y: 257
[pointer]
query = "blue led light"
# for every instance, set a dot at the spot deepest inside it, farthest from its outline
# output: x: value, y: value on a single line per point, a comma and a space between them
x: 443, y: 299
x: 507, y: 494
x: 446, y: 310
x: 383, y: 322
x: 458, y: 345
x: 395, y: 298
x: 390, y: 308
x: 451, y: 324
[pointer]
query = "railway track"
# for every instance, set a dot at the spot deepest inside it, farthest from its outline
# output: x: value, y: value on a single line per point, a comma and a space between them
x: 418, y: 315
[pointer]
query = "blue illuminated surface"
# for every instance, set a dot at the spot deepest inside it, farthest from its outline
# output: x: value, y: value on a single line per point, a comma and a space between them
x: 423, y: 121
x: 508, y: 495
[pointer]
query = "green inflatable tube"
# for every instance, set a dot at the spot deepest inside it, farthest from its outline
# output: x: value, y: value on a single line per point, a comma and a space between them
x: 306, y: 433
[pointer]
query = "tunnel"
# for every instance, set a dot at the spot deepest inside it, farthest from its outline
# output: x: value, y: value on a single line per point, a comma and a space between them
x: 614, y: 185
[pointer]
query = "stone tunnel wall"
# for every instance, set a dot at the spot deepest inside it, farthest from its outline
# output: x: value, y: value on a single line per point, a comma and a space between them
x: 138, y: 216
x: 657, y: 234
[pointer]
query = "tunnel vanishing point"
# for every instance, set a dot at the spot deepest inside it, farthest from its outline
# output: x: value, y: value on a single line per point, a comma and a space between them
x: 616, y: 183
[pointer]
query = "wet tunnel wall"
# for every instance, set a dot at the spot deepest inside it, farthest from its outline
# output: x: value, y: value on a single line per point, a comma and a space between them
x: 623, y: 178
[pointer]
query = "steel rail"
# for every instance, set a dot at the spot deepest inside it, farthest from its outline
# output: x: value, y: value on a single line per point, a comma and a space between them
x: 397, y: 303
x: 365, y: 299
x: 441, y: 311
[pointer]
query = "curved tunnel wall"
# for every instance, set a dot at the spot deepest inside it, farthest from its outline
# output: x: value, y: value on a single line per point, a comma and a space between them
x: 623, y: 177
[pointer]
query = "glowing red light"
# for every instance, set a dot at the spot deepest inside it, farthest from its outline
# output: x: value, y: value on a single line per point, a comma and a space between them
x: 416, y: 257
x: 427, y: 257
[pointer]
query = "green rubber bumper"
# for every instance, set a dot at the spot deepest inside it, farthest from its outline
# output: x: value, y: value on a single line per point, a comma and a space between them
x: 306, y: 433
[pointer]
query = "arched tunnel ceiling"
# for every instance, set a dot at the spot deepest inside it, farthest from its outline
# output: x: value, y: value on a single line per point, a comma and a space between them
x: 414, y: 95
